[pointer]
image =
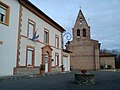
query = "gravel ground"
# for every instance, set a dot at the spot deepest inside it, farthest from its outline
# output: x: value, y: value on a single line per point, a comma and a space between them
x: 104, y: 80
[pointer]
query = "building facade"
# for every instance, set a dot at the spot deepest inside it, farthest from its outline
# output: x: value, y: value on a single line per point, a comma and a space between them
x: 9, y: 18
x: 85, y: 51
x: 107, y: 60
x: 66, y: 60
x: 39, y: 41
x: 28, y: 38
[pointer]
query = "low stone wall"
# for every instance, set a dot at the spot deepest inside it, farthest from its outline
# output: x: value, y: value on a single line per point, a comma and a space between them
x: 84, y: 79
x: 56, y: 69
x: 26, y: 70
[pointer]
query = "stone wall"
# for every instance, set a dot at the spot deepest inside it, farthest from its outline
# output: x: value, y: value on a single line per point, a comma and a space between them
x: 108, y: 61
x: 82, y: 63
x: 84, y: 79
x: 57, y: 69
x: 84, y: 55
x: 26, y: 70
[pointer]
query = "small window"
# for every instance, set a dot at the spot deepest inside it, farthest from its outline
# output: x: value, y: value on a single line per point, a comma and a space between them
x: 4, y: 13
x: 84, y: 32
x: 31, y: 29
x: 80, y: 21
x: 56, y: 59
x: 46, y: 36
x: 30, y: 56
x: 56, y: 41
x: 78, y: 33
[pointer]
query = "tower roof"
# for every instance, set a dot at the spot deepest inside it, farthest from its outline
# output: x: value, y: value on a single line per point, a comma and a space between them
x: 80, y: 21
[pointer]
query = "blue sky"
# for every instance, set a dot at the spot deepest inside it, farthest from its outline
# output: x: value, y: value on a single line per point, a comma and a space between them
x: 104, y: 17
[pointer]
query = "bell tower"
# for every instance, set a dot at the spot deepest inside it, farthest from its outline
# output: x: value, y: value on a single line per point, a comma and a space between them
x: 85, y: 51
x: 81, y: 30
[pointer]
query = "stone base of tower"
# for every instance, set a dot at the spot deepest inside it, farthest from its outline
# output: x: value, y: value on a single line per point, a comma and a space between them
x: 83, y: 64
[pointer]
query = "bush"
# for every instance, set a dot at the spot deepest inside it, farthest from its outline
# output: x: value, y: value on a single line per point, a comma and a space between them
x: 102, y: 67
x: 109, y: 66
x: 42, y: 67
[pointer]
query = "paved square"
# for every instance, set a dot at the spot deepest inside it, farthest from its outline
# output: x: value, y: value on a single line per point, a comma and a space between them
x: 105, y: 80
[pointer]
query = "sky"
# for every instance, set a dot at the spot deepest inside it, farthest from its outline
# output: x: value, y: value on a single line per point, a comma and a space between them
x: 103, y: 17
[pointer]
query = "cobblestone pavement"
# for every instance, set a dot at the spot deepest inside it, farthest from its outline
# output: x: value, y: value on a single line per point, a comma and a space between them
x: 105, y: 80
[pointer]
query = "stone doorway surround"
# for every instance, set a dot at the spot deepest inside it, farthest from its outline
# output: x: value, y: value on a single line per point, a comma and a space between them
x: 47, y: 49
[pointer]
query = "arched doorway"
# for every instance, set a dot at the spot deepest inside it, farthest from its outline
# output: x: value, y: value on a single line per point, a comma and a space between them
x: 46, y: 58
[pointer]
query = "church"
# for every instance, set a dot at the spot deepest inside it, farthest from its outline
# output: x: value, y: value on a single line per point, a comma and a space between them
x: 86, y: 51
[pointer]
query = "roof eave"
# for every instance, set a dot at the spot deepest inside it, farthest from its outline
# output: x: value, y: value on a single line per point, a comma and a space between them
x: 42, y: 15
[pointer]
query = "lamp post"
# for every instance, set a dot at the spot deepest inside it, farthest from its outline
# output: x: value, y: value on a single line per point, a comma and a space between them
x: 67, y: 36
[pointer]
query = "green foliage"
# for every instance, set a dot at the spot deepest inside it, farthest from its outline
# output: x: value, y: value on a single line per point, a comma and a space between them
x: 42, y: 67
x: 109, y: 66
x: 62, y: 66
x: 102, y: 66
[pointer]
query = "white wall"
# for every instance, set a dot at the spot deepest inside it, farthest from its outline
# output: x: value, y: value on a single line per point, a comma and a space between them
x: 8, y: 34
x: 40, y: 26
x: 53, y: 56
x: 66, y: 61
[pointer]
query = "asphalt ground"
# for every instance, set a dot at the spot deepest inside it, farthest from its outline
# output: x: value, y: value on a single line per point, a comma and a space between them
x: 104, y: 80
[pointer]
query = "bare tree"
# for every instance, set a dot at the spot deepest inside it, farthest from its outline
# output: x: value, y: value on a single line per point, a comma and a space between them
x: 116, y: 52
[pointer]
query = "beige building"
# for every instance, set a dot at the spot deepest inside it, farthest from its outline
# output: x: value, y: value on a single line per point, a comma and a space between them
x: 39, y: 41
x: 107, y: 59
x: 28, y: 39
x: 85, y: 50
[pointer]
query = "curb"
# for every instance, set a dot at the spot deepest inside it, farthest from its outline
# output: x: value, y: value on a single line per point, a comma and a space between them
x: 108, y: 70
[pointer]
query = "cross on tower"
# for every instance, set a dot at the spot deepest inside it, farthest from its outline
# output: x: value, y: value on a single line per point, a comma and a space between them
x: 80, y: 7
